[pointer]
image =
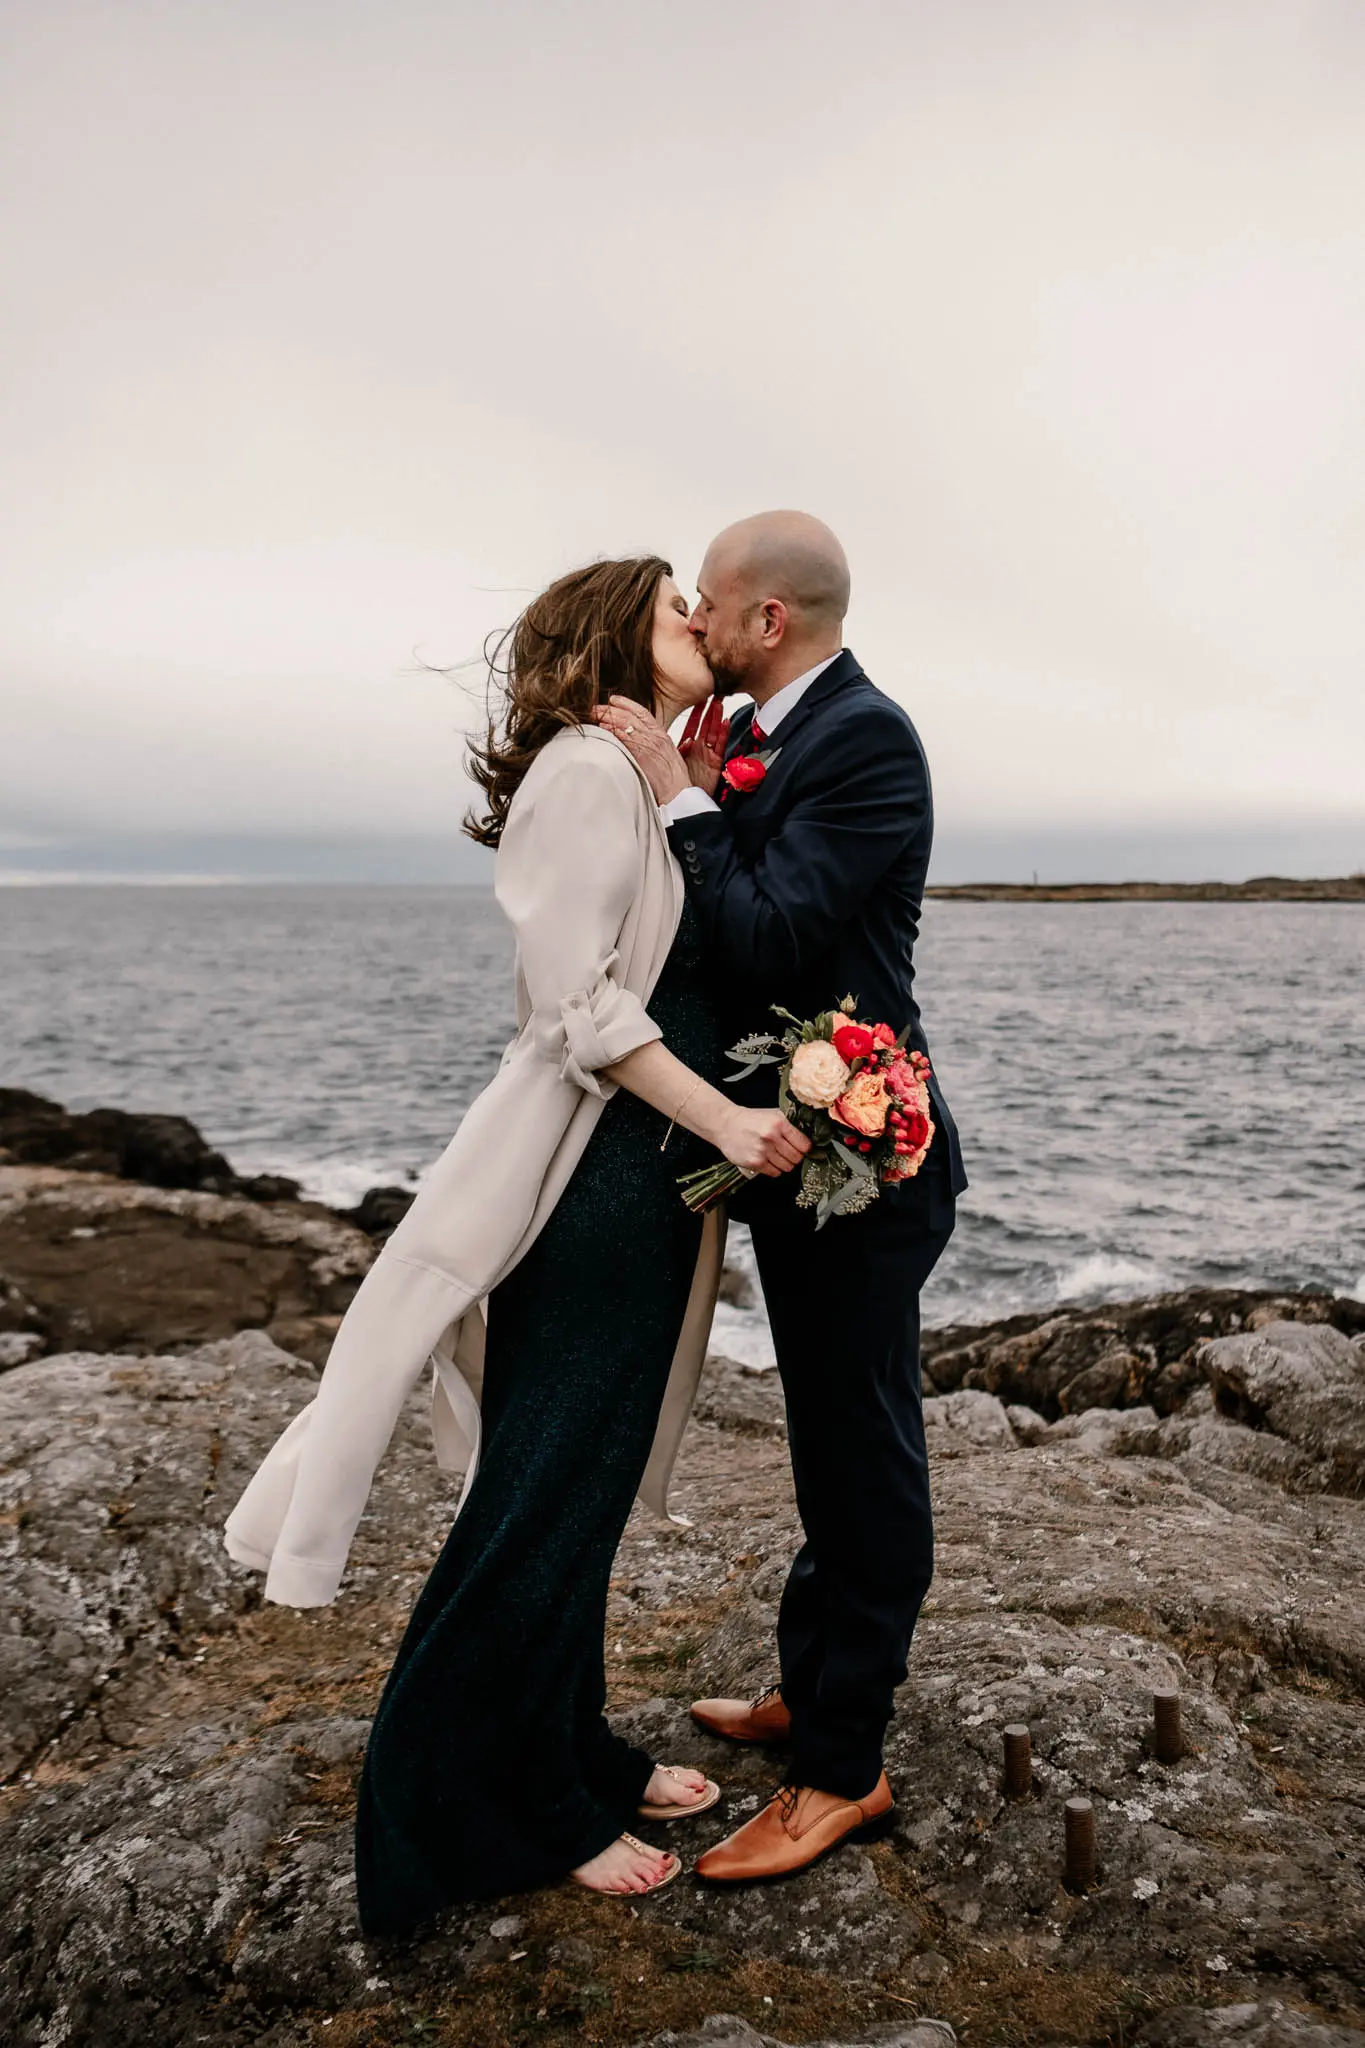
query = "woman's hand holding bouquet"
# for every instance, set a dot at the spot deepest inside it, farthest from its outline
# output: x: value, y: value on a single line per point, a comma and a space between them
x: 854, y: 1092
x: 758, y: 1141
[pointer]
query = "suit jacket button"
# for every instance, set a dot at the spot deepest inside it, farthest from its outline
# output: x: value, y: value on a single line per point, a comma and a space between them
x: 689, y: 846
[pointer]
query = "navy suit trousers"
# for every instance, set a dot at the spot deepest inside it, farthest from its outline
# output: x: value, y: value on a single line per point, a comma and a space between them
x: 844, y: 1308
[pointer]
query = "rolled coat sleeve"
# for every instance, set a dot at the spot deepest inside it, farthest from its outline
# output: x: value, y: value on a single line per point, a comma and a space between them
x: 567, y: 871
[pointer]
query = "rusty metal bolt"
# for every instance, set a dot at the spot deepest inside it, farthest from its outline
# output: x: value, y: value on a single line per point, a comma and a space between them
x: 1079, y: 1875
x: 1018, y: 1762
x: 1167, y: 1742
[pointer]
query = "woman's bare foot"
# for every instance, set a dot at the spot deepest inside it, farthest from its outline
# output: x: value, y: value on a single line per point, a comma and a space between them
x: 625, y: 1865
x: 673, y: 1786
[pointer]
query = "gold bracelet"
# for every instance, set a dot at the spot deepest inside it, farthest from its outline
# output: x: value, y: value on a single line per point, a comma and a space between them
x: 678, y: 1112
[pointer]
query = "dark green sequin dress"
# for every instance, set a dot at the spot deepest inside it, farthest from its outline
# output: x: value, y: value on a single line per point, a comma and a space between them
x: 491, y: 1767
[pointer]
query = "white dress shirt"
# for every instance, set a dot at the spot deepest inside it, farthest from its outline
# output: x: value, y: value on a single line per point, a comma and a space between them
x: 689, y: 802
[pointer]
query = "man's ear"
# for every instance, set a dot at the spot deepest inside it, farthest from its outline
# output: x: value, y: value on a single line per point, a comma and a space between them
x: 774, y: 621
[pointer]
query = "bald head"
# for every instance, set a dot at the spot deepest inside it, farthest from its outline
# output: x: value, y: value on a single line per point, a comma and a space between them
x: 774, y: 591
x: 787, y: 555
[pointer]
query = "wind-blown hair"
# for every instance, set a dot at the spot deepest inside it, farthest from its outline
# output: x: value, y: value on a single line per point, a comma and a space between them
x: 588, y: 638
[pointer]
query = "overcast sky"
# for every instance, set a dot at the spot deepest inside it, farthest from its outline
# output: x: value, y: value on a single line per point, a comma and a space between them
x: 331, y: 331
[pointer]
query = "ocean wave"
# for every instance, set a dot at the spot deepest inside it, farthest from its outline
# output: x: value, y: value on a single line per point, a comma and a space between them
x: 1106, y: 1276
x: 339, y: 1183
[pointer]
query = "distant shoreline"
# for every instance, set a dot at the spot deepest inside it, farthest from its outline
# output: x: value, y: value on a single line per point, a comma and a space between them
x: 1261, y: 889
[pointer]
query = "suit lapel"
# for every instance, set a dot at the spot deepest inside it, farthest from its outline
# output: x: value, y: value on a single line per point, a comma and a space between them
x: 841, y: 670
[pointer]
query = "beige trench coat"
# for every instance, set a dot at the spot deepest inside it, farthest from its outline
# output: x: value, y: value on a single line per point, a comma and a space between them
x: 585, y: 874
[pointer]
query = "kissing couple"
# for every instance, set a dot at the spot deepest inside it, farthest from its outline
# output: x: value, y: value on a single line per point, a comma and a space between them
x: 663, y: 898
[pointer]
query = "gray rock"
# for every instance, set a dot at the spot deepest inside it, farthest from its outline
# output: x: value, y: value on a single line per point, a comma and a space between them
x: 1211, y: 1439
x: 1243, y: 2026
x: 836, y: 1917
x: 742, y: 1397
x: 1129, y: 1353
x: 722, y: 2030
x: 727, y: 2030
x: 116, y: 1475
x: 113, y: 1475
x: 1111, y: 1432
x: 18, y: 1346
x: 1029, y: 1426
x: 125, y: 1899
x: 1305, y: 1383
x: 736, y: 1288
x: 967, y: 1421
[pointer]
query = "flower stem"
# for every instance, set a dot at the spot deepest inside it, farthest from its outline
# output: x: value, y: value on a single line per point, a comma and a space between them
x: 709, y: 1184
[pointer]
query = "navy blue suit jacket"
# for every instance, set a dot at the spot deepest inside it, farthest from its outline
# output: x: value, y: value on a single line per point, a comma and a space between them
x: 809, y: 887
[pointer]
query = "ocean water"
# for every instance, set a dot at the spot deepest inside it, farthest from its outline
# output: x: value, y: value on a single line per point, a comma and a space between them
x: 1150, y: 1095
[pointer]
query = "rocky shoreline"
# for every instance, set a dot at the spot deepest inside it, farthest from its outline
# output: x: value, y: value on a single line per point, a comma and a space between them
x: 1153, y: 1494
x: 1261, y: 889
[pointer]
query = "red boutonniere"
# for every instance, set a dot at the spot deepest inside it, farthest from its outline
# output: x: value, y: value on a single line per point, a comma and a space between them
x: 746, y: 771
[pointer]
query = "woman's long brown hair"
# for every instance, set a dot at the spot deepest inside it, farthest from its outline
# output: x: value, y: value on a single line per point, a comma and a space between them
x: 587, y: 638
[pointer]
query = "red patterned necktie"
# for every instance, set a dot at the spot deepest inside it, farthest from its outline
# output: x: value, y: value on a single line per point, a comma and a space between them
x: 757, y: 734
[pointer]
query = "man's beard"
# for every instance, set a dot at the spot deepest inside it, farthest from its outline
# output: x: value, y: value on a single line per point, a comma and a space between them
x: 729, y: 665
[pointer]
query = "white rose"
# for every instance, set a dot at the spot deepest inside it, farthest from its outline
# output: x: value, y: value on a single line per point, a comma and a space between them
x: 818, y: 1076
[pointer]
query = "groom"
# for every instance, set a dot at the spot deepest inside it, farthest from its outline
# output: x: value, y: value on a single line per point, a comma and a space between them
x: 808, y: 876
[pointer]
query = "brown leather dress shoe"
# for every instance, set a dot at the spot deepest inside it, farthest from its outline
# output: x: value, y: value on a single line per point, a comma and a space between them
x: 793, y: 1831
x: 762, y: 1720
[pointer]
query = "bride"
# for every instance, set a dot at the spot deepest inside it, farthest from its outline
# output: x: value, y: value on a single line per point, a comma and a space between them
x: 563, y: 1291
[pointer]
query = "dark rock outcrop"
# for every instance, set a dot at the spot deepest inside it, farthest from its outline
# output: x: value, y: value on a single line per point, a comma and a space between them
x: 1121, y: 1355
x: 90, y: 1263
x: 160, y: 1151
x: 380, y: 1210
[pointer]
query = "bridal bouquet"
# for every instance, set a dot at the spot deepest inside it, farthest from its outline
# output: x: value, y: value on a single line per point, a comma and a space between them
x: 859, y: 1096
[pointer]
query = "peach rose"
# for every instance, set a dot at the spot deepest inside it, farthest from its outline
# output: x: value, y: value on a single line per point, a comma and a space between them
x: 817, y: 1074
x: 863, y: 1105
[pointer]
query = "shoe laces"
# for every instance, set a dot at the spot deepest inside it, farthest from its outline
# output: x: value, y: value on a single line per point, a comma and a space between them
x: 789, y: 1795
x: 773, y: 1692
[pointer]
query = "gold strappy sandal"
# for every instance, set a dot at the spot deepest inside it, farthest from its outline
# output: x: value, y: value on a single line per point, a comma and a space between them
x: 629, y: 1892
x: 679, y: 1809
